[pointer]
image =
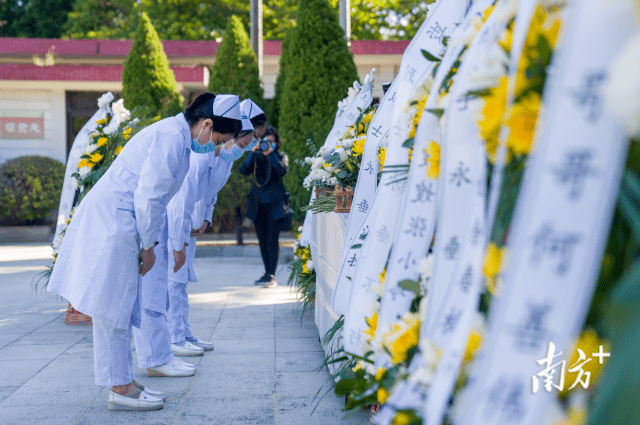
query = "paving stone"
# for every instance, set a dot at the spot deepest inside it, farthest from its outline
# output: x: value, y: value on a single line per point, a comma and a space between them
x: 74, y: 390
x: 32, y: 351
x: 63, y: 367
x: 40, y: 413
x: 303, y: 383
x: 287, y: 345
x: 214, y: 362
x: 227, y: 411
x: 237, y: 384
x: 299, y: 361
x: 41, y: 338
x: 328, y: 410
x: 245, y: 346
x: 248, y: 332
x: 6, y: 391
x: 18, y: 371
x: 98, y: 414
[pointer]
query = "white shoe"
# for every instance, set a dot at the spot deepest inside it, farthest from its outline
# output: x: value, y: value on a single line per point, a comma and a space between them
x: 152, y: 393
x: 206, y: 346
x: 172, y: 369
x: 188, y: 349
x: 143, y: 402
x: 192, y: 366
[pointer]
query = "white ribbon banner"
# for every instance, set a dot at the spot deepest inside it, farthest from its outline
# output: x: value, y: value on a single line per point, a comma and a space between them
x: 560, y: 224
x: 375, y: 250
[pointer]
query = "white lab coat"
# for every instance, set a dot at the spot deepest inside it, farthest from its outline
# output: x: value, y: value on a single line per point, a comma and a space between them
x: 97, y: 266
x: 195, y: 200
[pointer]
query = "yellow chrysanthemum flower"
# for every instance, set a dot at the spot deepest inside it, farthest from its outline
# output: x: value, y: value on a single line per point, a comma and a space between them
x: 382, y: 153
x: 127, y: 130
x: 382, y: 395
x: 357, y: 367
x: 373, y: 325
x: 118, y: 150
x: 400, y: 347
x: 491, y: 267
x: 102, y: 121
x: 589, y: 343
x: 487, y: 13
x: 401, y: 419
x: 358, y: 147
x: 382, y: 275
x: 432, y: 152
x: 380, y: 373
x: 473, y: 344
x: 96, y: 157
x: 521, y: 121
x: 305, y: 270
x: 368, y: 117
x: 85, y: 163
x: 102, y: 141
x: 506, y: 40
x: 492, y: 115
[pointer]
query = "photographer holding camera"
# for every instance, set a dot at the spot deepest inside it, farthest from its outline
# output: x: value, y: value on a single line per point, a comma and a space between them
x: 268, y: 202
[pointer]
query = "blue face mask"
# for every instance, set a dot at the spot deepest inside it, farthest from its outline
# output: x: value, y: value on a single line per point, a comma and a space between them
x: 231, y: 155
x: 206, y: 148
x: 251, y: 145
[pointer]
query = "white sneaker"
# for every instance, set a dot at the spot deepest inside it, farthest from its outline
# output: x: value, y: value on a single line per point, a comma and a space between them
x: 143, y: 402
x: 188, y: 349
x: 172, y: 369
x: 152, y: 393
x: 192, y: 366
x: 206, y: 346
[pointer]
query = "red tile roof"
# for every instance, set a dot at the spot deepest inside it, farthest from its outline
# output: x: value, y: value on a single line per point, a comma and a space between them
x: 173, y: 48
x: 86, y: 73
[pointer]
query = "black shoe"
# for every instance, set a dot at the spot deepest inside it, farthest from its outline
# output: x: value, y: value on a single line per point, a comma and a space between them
x: 272, y: 282
x: 264, y: 279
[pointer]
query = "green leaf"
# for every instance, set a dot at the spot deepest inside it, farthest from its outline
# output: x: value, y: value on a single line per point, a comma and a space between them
x: 344, y: 386
x: 342, y: 174
x: 437, y: 112
x: 430, y: 57
x: 358, y: 245
x: 410, y: 285
x: 408, y: 143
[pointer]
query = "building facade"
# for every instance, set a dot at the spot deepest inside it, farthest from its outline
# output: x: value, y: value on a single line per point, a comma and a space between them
x: 43, y: 106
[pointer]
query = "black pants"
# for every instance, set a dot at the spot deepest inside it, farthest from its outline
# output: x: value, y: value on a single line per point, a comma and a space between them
x: 268, y: 234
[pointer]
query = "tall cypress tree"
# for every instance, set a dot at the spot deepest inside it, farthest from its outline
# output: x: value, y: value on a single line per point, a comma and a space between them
x: 147, y: 80
x: 319, y: 71
x: 235, y: 72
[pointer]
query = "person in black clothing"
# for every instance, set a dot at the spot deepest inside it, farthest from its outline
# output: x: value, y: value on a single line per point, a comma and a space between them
x: 265, y: 202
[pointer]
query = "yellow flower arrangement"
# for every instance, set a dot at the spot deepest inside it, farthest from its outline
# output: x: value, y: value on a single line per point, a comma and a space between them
x: 432, y: 152
x: 382, y: 153
x: 521, y: 122
x: 417, y: 111
x: 358, y: 146
x: 401, y: 418
x: 382, y: 275
x: 96, y: 157
x: 403, y: 336
x: 576, y: 417
x: 492, y: 262
x: 102, y: 121
x: 126, y: 133
x: 118, y: 150
x: 380, y: 373
x: 506, y: 40
x: 102, y: 141
x: 492, y: 115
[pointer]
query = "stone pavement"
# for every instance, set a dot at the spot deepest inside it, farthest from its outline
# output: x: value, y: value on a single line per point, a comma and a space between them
x: 263, y: 369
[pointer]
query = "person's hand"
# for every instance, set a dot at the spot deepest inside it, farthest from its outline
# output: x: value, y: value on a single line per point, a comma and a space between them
x: 147, y: 260
x: 256, y: 148
x: 200, y: 231
x: 268, y: 151
x: 180, y: 257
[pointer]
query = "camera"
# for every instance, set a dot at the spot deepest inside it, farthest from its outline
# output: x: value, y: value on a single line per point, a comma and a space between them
x: 264, y: 144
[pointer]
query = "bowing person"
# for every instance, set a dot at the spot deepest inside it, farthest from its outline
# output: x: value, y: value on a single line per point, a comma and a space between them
x: 153, y: 345
x: 206, y: 178
x: 111, y: 238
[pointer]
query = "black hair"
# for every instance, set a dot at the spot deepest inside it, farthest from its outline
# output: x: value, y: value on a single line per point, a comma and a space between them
x: 259, y: 120
x: 271, y: 131
x: 202, y: 108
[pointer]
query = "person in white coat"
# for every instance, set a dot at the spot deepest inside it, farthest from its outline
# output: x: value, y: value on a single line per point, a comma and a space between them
x: 110, y: 240
x: 212, y: 175
x: 153, y: 346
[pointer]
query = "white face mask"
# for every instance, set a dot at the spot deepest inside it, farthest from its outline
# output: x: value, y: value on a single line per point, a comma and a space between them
x: 232, y: 154
x: 206, y: 148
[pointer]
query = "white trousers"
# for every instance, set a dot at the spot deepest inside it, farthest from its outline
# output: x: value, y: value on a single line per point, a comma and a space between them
x: 153, y: 347
x: 112, y: 360
x: 179, y: 312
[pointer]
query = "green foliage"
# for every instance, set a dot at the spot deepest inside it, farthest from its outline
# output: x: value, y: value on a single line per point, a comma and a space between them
x: 33, y: 18
x: 30, y: 187
x: 235, y: 71
x: 147, y: 80
x: 274, y: 112
x: 320, y: 70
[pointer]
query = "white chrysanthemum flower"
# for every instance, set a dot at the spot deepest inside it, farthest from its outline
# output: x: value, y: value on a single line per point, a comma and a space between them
x: 505, y: 10
x: 622, y: 89
x: 466, y: 37
x: 83, y: 171
x: 308, y: 160
x: 90, y: 149
x: 105, y: 100
x: 492, y: 68
x: 332, y: 181
x: 300, y: 228
x: 343, y: 154
x: 309, y: 265
x: 295, y: 257
x: 377, y: 289
x: 318, y: 163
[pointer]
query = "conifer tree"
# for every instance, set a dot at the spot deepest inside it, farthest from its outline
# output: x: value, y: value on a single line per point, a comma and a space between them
x: 235, y: 72
x: 275, y: 106
x: 147, y: 80
x: 319, y: 71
